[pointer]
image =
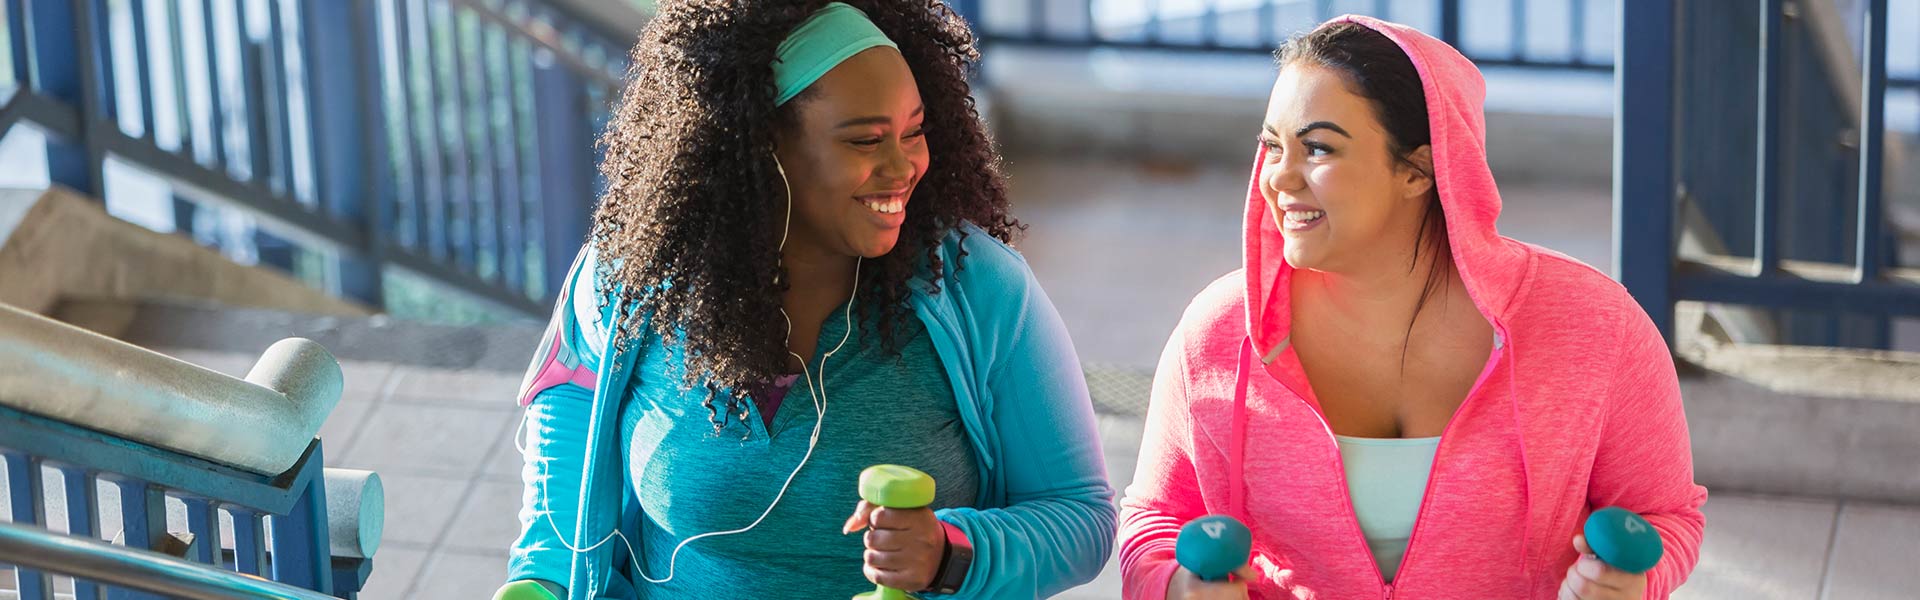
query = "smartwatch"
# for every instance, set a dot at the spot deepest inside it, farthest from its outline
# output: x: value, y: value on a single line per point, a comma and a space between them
x: 955, y: 561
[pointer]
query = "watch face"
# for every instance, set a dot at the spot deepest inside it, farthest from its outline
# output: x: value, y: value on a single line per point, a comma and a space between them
x: 953, y: 574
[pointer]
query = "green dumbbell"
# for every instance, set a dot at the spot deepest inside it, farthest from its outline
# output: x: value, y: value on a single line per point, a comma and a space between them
x: 524, y: 590
x: 894, y: 486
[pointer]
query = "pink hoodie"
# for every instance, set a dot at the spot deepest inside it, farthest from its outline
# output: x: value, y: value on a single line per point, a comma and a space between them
x: 1578, y: 408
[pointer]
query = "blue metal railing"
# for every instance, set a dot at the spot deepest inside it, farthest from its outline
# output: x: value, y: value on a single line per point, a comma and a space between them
x: 1820, y: 255
x: 145, y: 477
x: 451, y: 139
x: 1261, y: 25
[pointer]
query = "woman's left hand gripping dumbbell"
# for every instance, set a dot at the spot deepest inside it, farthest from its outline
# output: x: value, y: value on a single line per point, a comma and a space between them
x: 1616, y: 551
x: 904, y: 545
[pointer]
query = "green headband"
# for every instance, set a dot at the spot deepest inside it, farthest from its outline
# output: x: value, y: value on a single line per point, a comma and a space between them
x: 833, y: 34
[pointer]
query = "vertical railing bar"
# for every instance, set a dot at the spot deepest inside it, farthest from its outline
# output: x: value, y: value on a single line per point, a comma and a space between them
x: 143, y: 66
x: 83, y: 518
x: 183, y: 109
x: 409, y: 184
x: 1769, y: 171
x: 479, y: 114
x: 1091, y: 34
x: 1577, y: 33
x: 249, y: 540
x: 1322, y: 10
x: 527, y: 150
x: 1450, y: 22
x: 1643, y: 150
x: 491, y: 39
x: 253, y: 94
x: 499, y: 51
x: 437, y: 196
x: 26, y: 491
x: 143, y: 513
x: 280, y: 123
x: 301, y: 552
x: 1382, y: 10
x: 17, y: 29
x: 1873, y: 108
x: 217, y: 111
x: 1037, y: 20
x: 378, y: 186
x: 1269, y: 37
x: 1152, y: 25
x: 1517, y: 42
x: 1209, y: 23
x: 204, y: 524
x: 466, y: 219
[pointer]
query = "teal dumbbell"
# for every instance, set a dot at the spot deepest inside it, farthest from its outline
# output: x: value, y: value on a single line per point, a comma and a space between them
x: 1213, y: 546
x: 894, y: 486
x: 1624, y: 540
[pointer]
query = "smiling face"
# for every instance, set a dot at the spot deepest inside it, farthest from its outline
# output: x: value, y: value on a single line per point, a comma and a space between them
x: 853, y: 150
x: 1341, y: 198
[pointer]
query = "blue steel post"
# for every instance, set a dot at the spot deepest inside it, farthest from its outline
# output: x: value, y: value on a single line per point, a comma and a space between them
x: 1577, y: 32
x: 204, y: 523
x: 346, y: 140
x: 143, y: 66
x: 17, y: 20
x: 83, y: 517
x: 278, y: 104
x: 143, y: 518
x: 257, y: 159
x: 25, y: 489
x: 66, y: 60
x: 1770, y: 171
x: 1517, y: 40
x: 301, y: 554
x: 566, y: 164
x: 1873, y: 108
x: 1643, y: 177
x: 216, y: 120
x: 249, y: 545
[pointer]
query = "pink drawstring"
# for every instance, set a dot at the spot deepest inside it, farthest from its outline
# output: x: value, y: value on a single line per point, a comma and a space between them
x: 1519, y: 433
x: 1237, y: 446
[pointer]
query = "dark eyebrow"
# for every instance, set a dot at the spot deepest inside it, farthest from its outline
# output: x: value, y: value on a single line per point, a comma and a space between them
x: 1327, y: 125
x: 876, y: 119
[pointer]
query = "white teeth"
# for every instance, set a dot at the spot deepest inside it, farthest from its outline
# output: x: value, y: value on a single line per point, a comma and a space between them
x: 886, y: 208
x: 1304, y: 216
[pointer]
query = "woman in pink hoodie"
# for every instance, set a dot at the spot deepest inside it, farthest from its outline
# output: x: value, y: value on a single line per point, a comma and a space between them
x: 1386, y: 365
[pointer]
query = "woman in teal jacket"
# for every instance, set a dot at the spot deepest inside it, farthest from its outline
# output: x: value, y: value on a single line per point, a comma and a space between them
x: 801, y: 268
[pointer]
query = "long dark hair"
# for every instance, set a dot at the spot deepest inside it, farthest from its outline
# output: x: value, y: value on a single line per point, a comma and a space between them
x: 688, y: 230
x: 1380, y: 71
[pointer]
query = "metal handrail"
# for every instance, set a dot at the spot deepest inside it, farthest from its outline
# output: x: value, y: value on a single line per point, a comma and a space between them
x: 261, y: 424
x: 36, y: 548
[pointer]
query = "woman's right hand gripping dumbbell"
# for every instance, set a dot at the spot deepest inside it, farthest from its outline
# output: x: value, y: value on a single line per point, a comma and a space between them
x: 1212, y: 552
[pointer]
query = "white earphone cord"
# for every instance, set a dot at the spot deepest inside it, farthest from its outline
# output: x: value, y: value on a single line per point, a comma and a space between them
x: 820, y: 416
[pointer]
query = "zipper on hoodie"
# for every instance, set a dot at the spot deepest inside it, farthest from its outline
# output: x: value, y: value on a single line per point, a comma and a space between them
x: 1426, y: 495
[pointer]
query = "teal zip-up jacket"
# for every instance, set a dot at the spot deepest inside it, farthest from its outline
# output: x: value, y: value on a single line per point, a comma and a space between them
x: 1044, y: 521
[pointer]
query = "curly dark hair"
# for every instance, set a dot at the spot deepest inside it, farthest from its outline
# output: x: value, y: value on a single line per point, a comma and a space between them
x: 687, y: 232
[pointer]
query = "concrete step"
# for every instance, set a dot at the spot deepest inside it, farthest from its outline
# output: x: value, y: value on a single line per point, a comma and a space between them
x: 197, y: 325
x: 1797, y: 420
